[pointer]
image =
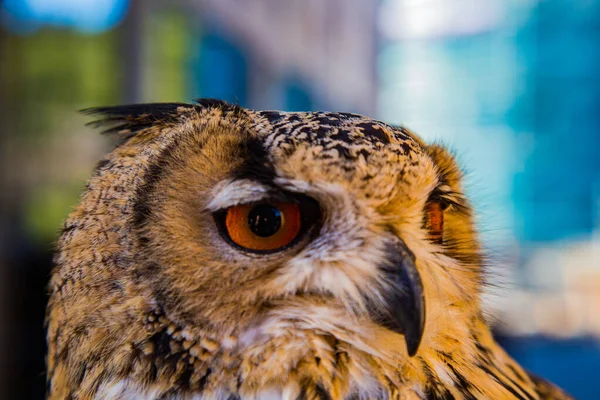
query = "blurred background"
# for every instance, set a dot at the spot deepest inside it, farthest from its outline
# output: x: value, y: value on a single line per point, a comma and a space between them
x: 513, y: 86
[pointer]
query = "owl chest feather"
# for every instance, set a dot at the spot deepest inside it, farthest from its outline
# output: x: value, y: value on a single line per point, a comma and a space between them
x: 282, y: 359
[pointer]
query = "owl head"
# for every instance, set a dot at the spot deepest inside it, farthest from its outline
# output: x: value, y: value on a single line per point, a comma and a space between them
x: 214, y: 221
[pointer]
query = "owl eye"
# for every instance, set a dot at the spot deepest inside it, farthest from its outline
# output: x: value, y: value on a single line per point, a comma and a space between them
x: 263, y: 227
x: 434, y: 220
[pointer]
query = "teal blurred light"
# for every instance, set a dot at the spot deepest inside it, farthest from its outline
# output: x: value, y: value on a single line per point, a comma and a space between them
x: 89, y: 16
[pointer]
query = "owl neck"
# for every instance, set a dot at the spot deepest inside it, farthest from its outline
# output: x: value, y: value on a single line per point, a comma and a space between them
x: 328, y: 358
x: 459, y: 361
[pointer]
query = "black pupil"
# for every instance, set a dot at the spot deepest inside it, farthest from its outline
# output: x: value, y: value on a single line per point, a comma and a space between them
x: 264, y: 220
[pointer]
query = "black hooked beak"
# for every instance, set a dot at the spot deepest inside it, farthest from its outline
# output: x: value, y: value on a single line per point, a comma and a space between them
x: 404, y: 302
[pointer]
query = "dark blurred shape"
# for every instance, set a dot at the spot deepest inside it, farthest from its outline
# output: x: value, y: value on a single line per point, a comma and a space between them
x: 222, y: 71
x: 297, y: 97
x: 27, y: 269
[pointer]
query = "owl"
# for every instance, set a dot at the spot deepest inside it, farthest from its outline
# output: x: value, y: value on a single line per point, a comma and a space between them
x: 225, y: 253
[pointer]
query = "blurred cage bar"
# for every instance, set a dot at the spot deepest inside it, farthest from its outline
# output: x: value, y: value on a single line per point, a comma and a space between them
x: 511, y: 85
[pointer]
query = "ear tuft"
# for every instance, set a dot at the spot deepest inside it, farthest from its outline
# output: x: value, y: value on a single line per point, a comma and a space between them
x: 449, y: 171
x: 128, y: 120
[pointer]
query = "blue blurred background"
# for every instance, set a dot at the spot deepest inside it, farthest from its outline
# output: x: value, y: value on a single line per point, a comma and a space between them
x: 513, y: 86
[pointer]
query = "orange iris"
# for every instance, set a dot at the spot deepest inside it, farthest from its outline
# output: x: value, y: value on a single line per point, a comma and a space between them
x: 434, y: 217
x: 264, y: 226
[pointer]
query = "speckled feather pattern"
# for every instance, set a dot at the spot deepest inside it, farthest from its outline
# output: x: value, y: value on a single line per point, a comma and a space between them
x: 147, y: 301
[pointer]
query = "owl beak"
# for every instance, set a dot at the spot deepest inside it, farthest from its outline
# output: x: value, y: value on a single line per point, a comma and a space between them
x: 404, y: 303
